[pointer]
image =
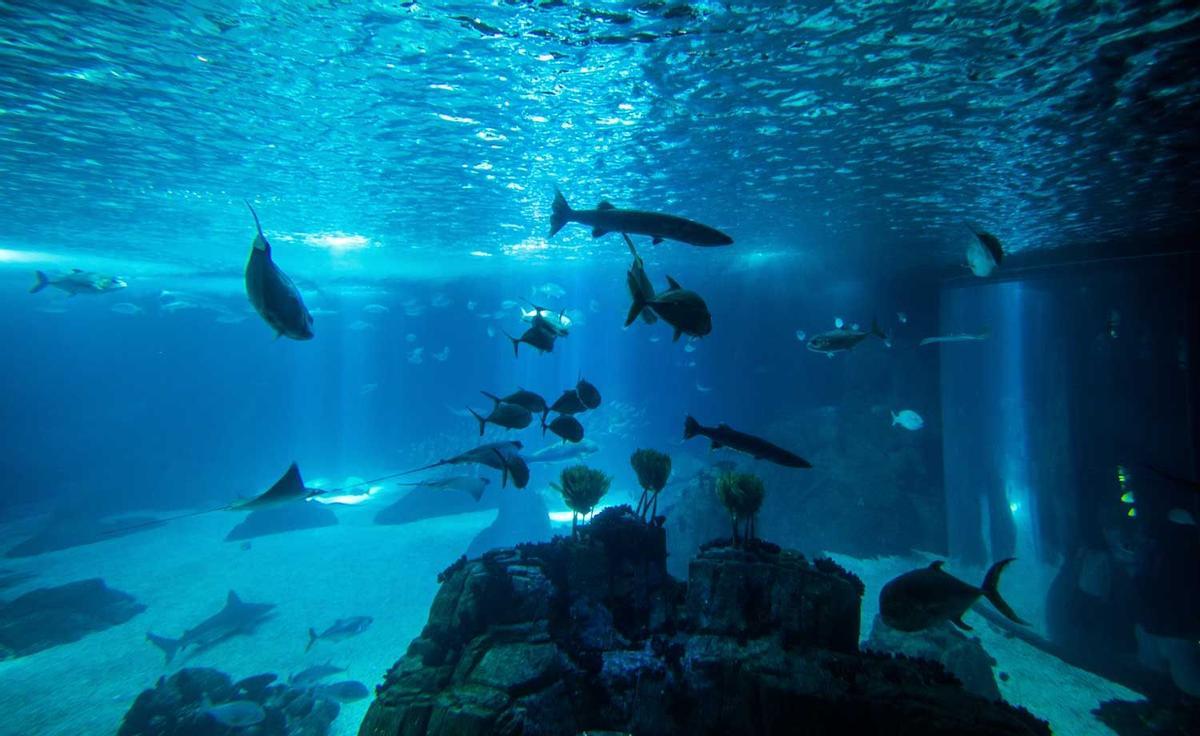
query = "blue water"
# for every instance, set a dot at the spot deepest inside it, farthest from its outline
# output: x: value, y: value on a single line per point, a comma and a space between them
x: 403, y: 158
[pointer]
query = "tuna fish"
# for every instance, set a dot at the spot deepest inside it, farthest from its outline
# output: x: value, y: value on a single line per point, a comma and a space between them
x: 922, y: 598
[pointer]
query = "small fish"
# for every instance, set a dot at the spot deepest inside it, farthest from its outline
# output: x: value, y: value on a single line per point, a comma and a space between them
x: 79, y: 282
x: 416, y: 356
x: 800, y: 335
x: 690, y: 347
x: 922, y: 598
x: 607, y: 218
x: 908, y: 419
x: 589, y: 395
x: 569, y: 403
x: 236, y: 714
x: 376, y: 309
x: 442, y: 355
x: 340, y: 630
x: 565, y: 426
x: 410, y: 338
x: 984, y: 253
x: 471, y: 304
x: 902, y: 318
x: 472, y: 485
x: 506, y: 304
x: 347, y: 691
x: 491, y: 331
x: 958, y: 337
x: 312, y: 675
x: 723, y: 435
x: 359, y: 325
x: 440, y: 301
x: 839, y: 323
x: 125, y: 308
x: 509, y: 416
x: 702, y: 388
x: 272, y: 293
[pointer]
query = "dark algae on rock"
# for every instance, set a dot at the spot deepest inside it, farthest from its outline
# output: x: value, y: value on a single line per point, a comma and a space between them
x: 590, y: 633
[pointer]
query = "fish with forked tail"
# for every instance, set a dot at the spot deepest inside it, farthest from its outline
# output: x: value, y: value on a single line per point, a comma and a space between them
x: 339, y: 630
x: 79, y: 282
x: 237, y: 617
x: 608, y: 219
x: 723, y: 435
x: 922, y: 598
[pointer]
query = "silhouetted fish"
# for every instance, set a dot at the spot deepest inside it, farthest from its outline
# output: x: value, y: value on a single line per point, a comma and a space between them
x: 723, y: 435
x: 235, y: 618
x: 273, y: 294
x: 509, y: 416
x: 607, y: 218
x: 922, y: 598
x: 340, y: 630
x: 565, y: 426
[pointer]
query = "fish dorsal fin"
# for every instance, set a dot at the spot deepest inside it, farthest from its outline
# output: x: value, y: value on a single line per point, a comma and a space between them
x: 672, y: 283
x: 656, y: 240
x: 605, y: 205
x: 936, y: 564
x: 598, y: 231
x: 232, y: 600
x: 722, y: 425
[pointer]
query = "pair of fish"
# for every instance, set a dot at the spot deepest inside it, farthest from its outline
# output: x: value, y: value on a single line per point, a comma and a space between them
x: 544, y: 329
x: 340, y: 630
x: 573, y: 401
x: 685, y: 311
x: 723, y: 435
x: 503, y: 456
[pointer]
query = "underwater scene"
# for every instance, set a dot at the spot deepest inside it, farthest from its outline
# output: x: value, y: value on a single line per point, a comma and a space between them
x: 558, y: 367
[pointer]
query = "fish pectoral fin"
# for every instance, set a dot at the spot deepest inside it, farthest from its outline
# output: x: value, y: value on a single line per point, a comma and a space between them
x: 936, y: 564
x: 598, y: 231
x: 716, y: 445
x: 960, y: 623
x: 673, y: 284
x: 656, y: 240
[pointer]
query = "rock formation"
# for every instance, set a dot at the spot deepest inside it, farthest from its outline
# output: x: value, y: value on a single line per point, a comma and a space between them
x: 592, y: 633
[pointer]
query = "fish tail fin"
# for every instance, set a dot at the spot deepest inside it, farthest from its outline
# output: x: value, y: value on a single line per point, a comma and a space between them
x: 639, y: 299
x: 895, y: 419
x: 479, y: 419
x: 516, y: 343
x: 560, y: 213
x: 877, y: 331
x: 42, y: 282
x: 312, y: 639
x: 691, y: 427
x: 991, y: 590
x: 168, y: 646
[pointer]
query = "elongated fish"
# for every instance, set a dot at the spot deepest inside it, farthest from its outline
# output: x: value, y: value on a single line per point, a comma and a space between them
x: 842, y: 339
x: 723, y: 435
x: 274, y: 296
x: 958, y: 337
x: 608, y: 219
x: 79, y: 282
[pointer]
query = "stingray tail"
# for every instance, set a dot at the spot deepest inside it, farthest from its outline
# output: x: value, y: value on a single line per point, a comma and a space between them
x: 991, y: 590
x: 168, y: 646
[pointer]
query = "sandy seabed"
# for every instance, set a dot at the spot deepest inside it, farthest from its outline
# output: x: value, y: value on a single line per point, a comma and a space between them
x: 182, y: 572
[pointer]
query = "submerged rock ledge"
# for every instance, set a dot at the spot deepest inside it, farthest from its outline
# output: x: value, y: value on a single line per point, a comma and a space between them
x: 592, y: 634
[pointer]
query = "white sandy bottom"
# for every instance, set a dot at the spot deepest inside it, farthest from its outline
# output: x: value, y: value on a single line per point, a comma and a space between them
x: 1044, y: 685
x: 182, y: 573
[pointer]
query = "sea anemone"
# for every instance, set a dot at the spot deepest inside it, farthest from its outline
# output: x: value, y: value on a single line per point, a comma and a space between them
x: 581, y: 488
x: 652, y: 468
x: 742, y: 495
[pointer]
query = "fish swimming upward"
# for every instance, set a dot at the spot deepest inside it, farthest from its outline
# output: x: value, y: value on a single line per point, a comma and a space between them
x: 272, y: 293
x: 608, y: 219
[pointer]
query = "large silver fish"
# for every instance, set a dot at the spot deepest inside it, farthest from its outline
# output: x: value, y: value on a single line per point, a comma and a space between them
x: 273, y: 294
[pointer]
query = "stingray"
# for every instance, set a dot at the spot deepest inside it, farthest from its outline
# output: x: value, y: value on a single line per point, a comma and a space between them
x: 289, y: 488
